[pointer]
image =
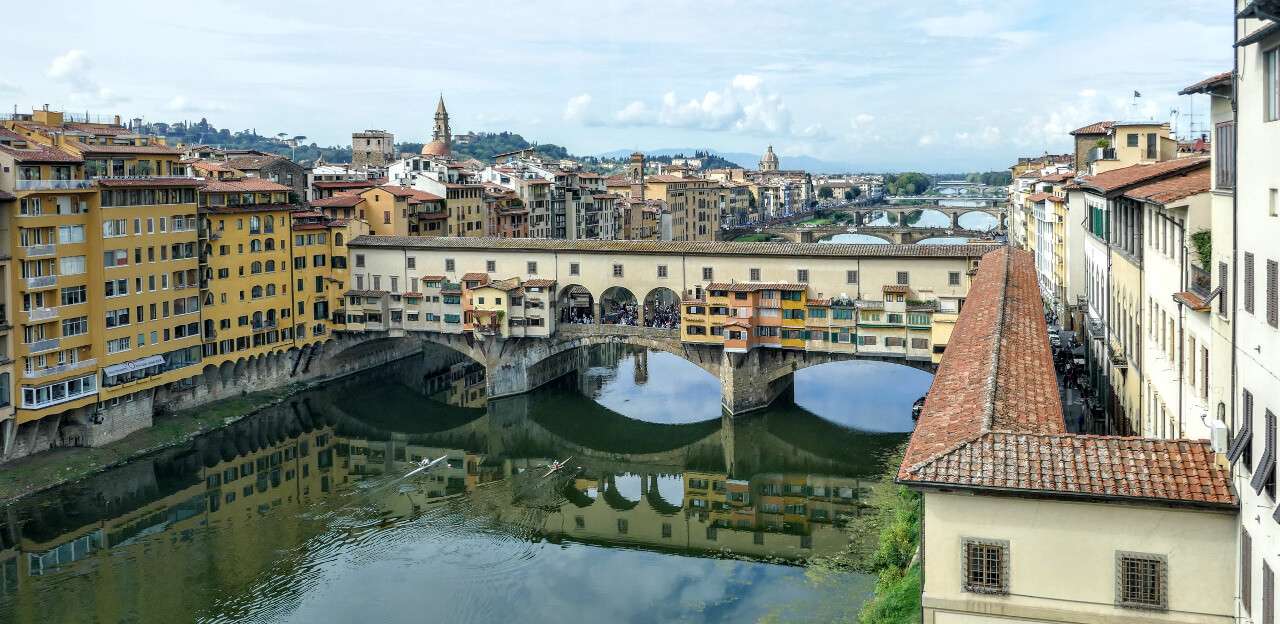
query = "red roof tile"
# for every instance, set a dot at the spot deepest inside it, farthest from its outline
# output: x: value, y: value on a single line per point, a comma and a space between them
x: 540, y: 283
x: 753, y: 286
x: 475, y: 277
x: 1120, y: 179
x: 1172, y: 189
x: 1039, y: 197
x: 341, y: 200
x: 345, y: 184
x: 993, y: 419
x: 1209, y: 84
x: 244, y: 185
x: 86, y: 148
x: 39, y: 154
x: 1100, y: 127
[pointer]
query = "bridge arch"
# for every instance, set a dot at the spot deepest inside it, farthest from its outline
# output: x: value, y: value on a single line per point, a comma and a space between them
x: 576, y: 304
x: 618, y: 306
x: 662, y: 308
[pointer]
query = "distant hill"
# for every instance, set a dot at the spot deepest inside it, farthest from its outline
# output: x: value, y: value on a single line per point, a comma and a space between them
x: 481, y: 146
x: 743, y: 159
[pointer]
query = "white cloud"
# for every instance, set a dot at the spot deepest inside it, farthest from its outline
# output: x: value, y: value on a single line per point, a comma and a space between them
x: 744, y: 106
x: 577, y: 108
x: 862, y: 120
x: 75, y: 69
x: 927, y: 139
x: 1088, y: 93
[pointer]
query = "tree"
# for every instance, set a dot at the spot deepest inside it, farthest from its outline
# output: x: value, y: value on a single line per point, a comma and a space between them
x: 825, y: 193
x: 853, y: 192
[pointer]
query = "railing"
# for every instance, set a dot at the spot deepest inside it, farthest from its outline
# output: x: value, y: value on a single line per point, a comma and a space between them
x: 261, y: 325
x: 1102, y: 153
x: 60, y: 369
x: 1201, y: 282
x: 39, y: 346
x: 39, y: 251
x: 41, y: 314
x: 42, y: 281
x: 52, y: 185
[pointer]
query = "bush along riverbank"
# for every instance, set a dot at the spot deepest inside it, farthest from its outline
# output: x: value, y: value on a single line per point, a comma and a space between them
x: 58, y: 466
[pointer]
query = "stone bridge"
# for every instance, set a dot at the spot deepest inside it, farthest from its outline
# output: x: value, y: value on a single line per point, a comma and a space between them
x: 1000, y: 212
x: 748, y: 381
x: 985, y: 200
x: 894, y: 235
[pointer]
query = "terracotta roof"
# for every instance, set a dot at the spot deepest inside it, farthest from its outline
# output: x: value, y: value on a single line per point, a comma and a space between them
x: 39, y: 154
x: 718, y: 248
x: 210, y: 165
x: 249, y: 162
x: 341, y: 200
x: 540, y: 283
x: 897, y: 289
x: 754, y: 286
x: 1209, y: 84
x: 737, y: 322
x: 1058, y: 177
x: 1100, y: 127
x: 365, y: 293
x: 310, y: 226
x: 345, y: 184
x: 1039, y: 197
x: 244, y: 185
x: 305, y: 214
x: 432, y: 278
x: 993, y: 419
x: 98, y: 128
x: 149, y: 182
x: 1192, y: 300
x: 1123, y: 178
x: 86, y: 148
x: 1172, y: 189
x: 475, y: 277
x: 9, y: 135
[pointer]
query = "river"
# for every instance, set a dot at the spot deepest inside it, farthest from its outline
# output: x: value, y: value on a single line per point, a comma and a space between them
x: 667, y: 510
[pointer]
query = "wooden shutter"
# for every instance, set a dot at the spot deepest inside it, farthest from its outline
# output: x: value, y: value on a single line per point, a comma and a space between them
x: 1248, y: 282
x: 1273, y: 304
x: 1246, y: 571
x: 1224, y: 278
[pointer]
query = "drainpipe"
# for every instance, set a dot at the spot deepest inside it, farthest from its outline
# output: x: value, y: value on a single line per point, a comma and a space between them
x: 1182, y: 316
x: 1235, y: 208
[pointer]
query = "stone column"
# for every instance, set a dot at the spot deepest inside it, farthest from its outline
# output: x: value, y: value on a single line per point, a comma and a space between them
x: 955, y: 220
x: 749, y: 382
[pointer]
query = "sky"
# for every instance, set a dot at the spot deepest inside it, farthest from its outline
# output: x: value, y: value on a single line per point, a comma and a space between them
x: 882, y: 85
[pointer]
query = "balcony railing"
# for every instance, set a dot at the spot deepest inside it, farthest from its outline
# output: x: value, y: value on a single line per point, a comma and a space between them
x: 41, y: 314
x: 1102, y: 153
x: 52, y: 185
x: 42, y: 281
x: 39, y: 346
x: 261, y: 325
x: 60, y: 369
x: 40, y: 251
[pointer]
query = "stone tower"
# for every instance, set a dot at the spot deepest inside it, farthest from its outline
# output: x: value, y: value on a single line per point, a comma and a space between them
x: 635, y: 174
x: 441, y: 144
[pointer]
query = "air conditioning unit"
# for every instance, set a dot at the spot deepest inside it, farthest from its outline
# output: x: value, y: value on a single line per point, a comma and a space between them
x: 1218, y: 437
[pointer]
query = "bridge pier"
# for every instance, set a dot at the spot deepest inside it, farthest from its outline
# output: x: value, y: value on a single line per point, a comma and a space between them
x: 749, y: 381
x: 955, y: 219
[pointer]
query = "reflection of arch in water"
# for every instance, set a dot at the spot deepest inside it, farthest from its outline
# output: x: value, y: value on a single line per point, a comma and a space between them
x: 618, y: 306
x: 576, y: 304
x: 614, y: 498
x: 662, y: 308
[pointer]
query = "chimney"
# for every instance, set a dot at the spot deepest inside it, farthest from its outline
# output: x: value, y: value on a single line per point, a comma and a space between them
x: 117, y: 120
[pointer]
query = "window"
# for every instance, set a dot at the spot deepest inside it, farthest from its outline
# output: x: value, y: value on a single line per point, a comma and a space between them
x: 75, y: 326
x: 573, y: 268
x: 1224, y: 278
x: 802, y: 276
x: 1224, y: 145
x: 706, y: 273
x: 116, y: 287
x: 953, y: 278
x: 532, y: 267
x: 117, y: 318
x: 1246, y: 571
x: 985, y: 566
x: 71, y: 265
x: 73, y: 295
x: 755, y: 275
x: 448, y: 264
x: 1141, y: 580
x: 1271, y: 65
x: 117, y: 345
x: 851, y: 277
x: 1131, y: 139
x: 70, y: 234
x: 1268, y: 594
x: 904, y: 278
x: 115, y: 258
x: 617, y: 270
x: 1248, y: 283
x: 662, y: 271
x: 490, y: 266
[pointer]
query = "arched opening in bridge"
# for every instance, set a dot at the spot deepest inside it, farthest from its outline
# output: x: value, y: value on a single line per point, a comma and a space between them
x: 576, y: 305
x: 944, y: 240
x: 662, y: 308
x: 855, y: 239
x: 978, y: 220
x: 882, y: 391
x: 618, y: 307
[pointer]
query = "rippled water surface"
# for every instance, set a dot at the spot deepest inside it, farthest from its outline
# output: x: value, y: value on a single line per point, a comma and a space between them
x: 666, y: 512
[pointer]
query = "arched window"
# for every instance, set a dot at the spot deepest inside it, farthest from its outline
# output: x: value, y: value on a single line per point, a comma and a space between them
x: 270, y: 267
x: 268, y: 226
x: 337, y: 239
x: 255, y: 225
x: 271, y: 290
x: 270, y: 244
x: 257, y: 318
x: 256, y: 293
x: 255, y: 245
x: 255, y: 268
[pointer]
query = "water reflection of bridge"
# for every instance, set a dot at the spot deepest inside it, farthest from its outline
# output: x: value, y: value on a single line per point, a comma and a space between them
x: 774, y: 484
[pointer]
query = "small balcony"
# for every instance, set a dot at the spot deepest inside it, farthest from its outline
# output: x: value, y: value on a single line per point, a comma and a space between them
x: 60, y: 369
x: 1201, y: 281
x: 1102, y: 153
x: 42, y: 281
x: 263, y: 325
x: 52, y: 185
x: 39, y: 251
x: 41, y: 314
x: 40, y: 346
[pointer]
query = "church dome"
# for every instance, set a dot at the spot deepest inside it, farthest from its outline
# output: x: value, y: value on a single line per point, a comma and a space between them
x: 436, y: 148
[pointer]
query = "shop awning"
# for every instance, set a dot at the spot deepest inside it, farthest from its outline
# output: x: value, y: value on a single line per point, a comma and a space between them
x: 129, y: 367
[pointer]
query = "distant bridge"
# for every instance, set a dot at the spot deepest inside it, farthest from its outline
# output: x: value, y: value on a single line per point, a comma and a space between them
x: 890, y: 234
x: 984, y: 200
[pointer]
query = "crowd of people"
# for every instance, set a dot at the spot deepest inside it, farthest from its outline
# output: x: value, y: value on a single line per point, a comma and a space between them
x: 663, y: 315
x: 624, y: 314
x: 577, y: 315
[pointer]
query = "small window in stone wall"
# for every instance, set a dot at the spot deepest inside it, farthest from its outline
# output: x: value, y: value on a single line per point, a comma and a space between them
x: 1142, y: 580
x: 985, y: 566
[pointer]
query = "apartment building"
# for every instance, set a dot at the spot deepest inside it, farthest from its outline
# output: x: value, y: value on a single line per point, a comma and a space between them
x: 1255, y: 310
x: 694, y: 205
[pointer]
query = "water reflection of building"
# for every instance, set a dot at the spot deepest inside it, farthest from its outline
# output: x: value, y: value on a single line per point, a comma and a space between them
x: 461, y: 384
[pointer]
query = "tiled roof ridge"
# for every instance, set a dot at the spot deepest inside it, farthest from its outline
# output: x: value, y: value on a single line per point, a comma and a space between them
x: 993, y: 375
